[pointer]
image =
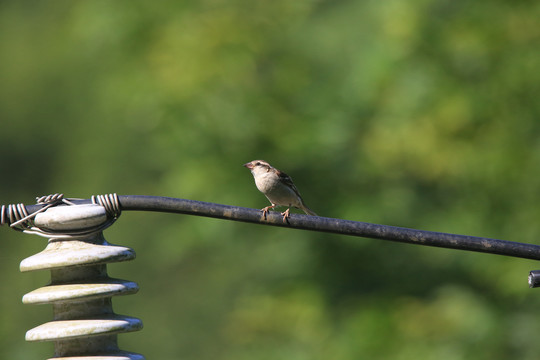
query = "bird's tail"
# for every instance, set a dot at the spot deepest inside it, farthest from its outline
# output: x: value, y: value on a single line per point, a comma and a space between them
x: 308, y: 210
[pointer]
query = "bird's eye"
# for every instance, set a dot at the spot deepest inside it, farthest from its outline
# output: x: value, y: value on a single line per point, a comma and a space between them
x: 257, y: 163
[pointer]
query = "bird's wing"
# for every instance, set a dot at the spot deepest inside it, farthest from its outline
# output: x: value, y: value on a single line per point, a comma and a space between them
x: 288, y: 181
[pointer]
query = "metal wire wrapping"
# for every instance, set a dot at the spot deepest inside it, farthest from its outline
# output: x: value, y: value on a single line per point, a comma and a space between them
x: 18, y: 218
x: 110, y: 203
x: 50, y: 199
x: 12, y: 213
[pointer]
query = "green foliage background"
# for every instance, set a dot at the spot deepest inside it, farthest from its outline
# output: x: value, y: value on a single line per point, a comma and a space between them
x: 422, y: 114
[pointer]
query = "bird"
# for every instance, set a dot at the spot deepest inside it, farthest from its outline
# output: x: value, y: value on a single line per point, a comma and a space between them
x: 278, y: 188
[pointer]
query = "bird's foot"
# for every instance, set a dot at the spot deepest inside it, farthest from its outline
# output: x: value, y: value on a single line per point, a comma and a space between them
x: 266, y: 209
x: 285, y: 215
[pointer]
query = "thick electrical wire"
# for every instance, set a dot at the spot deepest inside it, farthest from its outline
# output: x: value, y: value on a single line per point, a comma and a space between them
x: 114, y: 204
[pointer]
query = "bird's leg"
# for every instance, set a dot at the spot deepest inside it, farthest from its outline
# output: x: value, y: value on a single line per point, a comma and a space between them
x: 285, y: 215
x: 265, y: 210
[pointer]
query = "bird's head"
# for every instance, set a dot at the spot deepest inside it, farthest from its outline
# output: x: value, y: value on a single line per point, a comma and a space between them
x: 258, y: 166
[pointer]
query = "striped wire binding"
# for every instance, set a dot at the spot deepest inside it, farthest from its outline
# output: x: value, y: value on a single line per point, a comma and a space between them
x: 18, y: 218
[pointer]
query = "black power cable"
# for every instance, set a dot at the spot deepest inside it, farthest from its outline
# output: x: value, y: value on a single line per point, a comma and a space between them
x: 304, y: 222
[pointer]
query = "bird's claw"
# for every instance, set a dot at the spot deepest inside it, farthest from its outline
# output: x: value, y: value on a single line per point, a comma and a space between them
x: 285, y: 215
x: 265, y: 210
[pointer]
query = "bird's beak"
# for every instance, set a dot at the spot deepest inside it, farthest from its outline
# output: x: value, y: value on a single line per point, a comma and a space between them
x: 248, y: 165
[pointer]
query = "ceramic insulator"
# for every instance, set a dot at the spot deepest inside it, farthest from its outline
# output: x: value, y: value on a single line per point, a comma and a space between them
x: 84, y: 325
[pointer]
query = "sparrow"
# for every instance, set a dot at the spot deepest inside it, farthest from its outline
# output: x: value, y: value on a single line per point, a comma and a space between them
x: 278, y: 188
